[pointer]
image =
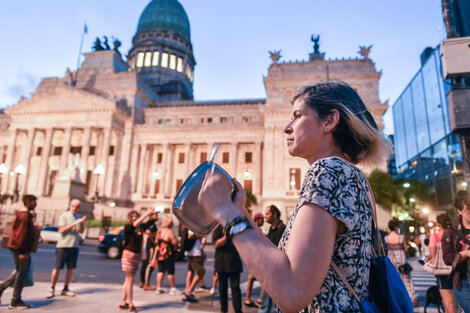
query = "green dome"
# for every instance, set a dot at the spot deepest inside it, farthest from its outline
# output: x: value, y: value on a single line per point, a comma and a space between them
x: 168, y: 15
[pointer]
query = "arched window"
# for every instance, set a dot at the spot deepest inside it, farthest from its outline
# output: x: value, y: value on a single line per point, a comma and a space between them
x: 179, y: 66
x: 140, y: 59
x: 148, y: 59
x: 173, y: 62
x: 156, y: 57
x: 164, y: 59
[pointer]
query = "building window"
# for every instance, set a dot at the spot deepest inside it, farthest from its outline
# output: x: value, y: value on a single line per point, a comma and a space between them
x: 165, y: 59
x: 248, y: 185
x: 173, y: 62
x: 202, y: 120
x: 156, y: 57
x: 179, y: 67
x: 294, y: 179
x: 179, y: 183
x: 76, y: 150
x: 248, y: 157
x: 203, y: 157
x: 159, y: 158
x: 209, y: 120
x: 181, y: 157
x: 167, y: 121
x: 181, y: 120
x: 57, y: 151
x: 111, y: 150
x: 38, y: 150
x: 161, y: 121
x: 223, y: 119
x: 148, y: 59
x: 140, y: 59
x: 225, y: 157
x: 92, y: 150
x: 156, y: 186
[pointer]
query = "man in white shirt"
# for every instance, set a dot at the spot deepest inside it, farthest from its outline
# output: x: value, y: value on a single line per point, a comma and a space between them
x: 196, y: 259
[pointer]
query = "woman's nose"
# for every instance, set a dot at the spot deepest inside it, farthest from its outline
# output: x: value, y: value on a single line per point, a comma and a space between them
x: 288, y: 129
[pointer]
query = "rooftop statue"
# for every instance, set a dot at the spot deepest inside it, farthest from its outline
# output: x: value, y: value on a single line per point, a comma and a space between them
x: 364, y: 51
x: 316, y: 45
x: 116, y: 44
x: 97, y: 45
x: 105, y: 43
x: 275, y: 55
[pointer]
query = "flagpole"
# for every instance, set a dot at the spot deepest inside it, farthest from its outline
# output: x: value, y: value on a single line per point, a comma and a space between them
x: 85, y: 31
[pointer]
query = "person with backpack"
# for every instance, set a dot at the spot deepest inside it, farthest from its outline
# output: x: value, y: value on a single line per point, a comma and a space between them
x: 166, y: 246
x: 456, y: 250
x: 193, y: 246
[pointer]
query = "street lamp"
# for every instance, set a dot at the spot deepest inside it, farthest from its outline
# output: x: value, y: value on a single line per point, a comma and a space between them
x: 406, y: 185
x: 99, y: 170
x: 18, y: 171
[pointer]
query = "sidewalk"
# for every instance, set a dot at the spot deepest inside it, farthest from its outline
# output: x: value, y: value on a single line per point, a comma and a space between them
x: 104, y: 298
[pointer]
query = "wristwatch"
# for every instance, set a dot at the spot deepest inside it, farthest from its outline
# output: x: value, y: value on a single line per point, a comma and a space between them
x: 236, y: 226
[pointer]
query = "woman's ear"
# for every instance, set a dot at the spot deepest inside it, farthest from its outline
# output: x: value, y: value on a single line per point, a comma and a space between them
x: 331, y: 121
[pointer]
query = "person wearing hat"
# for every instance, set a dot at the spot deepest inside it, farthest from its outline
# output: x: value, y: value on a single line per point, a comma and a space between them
x: 259, y: 220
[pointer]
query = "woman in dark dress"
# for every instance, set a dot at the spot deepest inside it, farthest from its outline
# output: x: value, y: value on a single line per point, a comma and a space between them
x: 131, y: 255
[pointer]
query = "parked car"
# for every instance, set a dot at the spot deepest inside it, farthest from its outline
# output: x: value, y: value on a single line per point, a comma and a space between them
x: 111, y: 243
x: 50, y: 234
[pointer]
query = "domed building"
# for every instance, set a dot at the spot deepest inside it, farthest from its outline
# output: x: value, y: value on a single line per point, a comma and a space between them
x: 121, y: 134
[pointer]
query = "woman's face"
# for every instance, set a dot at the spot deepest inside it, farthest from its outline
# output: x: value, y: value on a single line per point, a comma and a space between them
x: 465, y: 213
x: 304, y: 132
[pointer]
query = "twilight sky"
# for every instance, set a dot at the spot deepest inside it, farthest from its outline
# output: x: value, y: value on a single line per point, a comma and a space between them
x: 230, y: 38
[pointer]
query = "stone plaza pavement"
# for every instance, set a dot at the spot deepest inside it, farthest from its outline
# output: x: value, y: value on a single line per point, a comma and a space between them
x: 105, y: 298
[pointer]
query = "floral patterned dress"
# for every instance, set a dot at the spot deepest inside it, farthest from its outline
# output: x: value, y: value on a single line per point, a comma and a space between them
x: 332, y: 184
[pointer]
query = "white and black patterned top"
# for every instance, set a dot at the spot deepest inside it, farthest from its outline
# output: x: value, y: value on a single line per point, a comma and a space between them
x: 331, y: 184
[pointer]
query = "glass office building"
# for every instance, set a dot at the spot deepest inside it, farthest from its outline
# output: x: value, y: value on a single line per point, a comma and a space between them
x: 425, y: 148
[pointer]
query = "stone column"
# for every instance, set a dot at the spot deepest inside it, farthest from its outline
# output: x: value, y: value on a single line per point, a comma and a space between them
x: 116, y: 161
x: 9, y: 160
x: 234, y: 159
x: 164, y: 168
x: 134, y: 171
x: 65, y: 151
x: 104, y: 159
x: 27, y: 159
x: 258, y: 158
x: 171, y: 166
x: 45, y: 162
x: 143, y: 152
x: 85, y: 153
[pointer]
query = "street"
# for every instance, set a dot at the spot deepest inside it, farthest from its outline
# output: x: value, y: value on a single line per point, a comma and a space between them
x: 95, y: 267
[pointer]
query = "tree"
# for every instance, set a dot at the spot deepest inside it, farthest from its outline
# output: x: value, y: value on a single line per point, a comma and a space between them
x: 250, y: 200
x: 386, y: 191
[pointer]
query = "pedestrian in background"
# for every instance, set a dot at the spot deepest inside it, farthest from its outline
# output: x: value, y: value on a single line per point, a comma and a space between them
x: 228, y: 266
x: 396, y: 250
x: 150, y: 235
x: 259, y: 220
x: 67, y: 248
x: 22, y: 239
x: 443, y: 281
x: 132, y: 247
x: 194, y: 251
x: 456, y: 250
x: 273, y: 217
x: 166, y: 248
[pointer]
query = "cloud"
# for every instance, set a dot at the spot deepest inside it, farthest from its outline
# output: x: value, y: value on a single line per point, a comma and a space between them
x: 23, y: 84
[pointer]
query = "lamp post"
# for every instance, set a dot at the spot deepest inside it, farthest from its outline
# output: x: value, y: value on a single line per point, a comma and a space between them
x: 18, y: 171
x: 99, y: 170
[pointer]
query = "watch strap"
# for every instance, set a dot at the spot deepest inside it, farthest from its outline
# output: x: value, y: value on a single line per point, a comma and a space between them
x: 230, y: 224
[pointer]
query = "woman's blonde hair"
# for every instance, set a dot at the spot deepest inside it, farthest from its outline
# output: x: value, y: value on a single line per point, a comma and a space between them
x: 167, y: 222
x: 356, y: 133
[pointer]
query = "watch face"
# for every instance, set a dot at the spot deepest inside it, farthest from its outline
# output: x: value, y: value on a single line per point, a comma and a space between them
x: 237, y: 228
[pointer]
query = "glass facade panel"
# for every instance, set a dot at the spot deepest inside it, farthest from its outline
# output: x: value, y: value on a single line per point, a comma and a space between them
x: 419, y: 108
x: 409, y: 121
x: 400, y: 145
x: 433, y: 100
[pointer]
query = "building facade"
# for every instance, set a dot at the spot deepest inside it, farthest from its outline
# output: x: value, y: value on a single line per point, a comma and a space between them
x: 426, y: 149
x: 131, y: 132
